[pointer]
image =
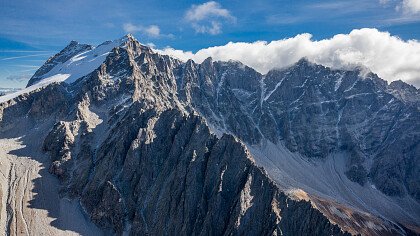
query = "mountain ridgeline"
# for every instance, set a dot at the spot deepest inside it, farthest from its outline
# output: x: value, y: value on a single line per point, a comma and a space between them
x: 151, y: 145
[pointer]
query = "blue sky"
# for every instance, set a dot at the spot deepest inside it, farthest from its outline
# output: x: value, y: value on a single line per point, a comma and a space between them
x: 32, y: 31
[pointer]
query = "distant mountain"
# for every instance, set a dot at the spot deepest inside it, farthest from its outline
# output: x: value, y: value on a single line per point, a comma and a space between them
x: 4, y: 91
x: 151, y: 145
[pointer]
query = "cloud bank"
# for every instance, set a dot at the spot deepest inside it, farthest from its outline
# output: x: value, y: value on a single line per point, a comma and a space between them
x: 386, y: 55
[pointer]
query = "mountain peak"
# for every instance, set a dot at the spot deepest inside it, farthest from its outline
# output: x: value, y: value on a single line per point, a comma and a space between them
x: 399, y: 84
x: 73, y: 43
x: 72, y: 49
x: 208, y: 60
x: 304, y: 61
x: 128, y: 37
x: 77, y: 60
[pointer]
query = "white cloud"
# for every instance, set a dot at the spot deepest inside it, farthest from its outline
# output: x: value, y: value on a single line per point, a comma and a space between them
x: 214, y: 28
x: 207, y: 10
x: 206, y: 17
x: 151, y: 45
x: 388, y: 56
x: 407, y: 7
x: 151, y: 30
x: 411, y: 6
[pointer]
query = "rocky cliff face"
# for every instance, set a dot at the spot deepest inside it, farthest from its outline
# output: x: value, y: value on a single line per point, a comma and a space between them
x: 131, y: 140
x: 316, y: 111
x: 174, y: 177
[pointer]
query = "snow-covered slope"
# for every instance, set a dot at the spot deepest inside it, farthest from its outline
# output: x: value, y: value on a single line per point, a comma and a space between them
x: 57, y: 78
x: 74, y: 67
x: 85, y: 62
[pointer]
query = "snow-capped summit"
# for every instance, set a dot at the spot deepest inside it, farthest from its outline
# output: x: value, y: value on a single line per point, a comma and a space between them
x: 75, y: 61
x: 71, y: 50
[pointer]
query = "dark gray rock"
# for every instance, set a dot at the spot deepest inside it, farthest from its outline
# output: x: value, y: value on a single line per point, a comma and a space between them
x: 316, y: 111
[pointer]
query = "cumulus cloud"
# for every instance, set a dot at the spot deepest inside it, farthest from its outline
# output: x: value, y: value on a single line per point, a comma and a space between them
x: 207, y: 17
x: 386, y: 55
x: 152, y: 31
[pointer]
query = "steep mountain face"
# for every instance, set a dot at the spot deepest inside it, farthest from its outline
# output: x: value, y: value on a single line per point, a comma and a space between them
x: 166, y: 174
x: 152, y: 145
x: 317, y: 111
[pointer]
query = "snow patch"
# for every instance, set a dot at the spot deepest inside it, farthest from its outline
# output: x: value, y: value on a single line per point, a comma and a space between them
x: 45, y: 82
x: 338, y: 83
x: 275, y: 88
x: 221, y: 179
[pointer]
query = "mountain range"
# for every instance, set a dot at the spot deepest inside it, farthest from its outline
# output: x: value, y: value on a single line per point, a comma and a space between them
x: 146, y: 144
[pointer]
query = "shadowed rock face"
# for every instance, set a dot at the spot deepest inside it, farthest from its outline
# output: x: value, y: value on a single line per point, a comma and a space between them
x: 316, y: 111
x: 131, y: 140
x: 174, y: 177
